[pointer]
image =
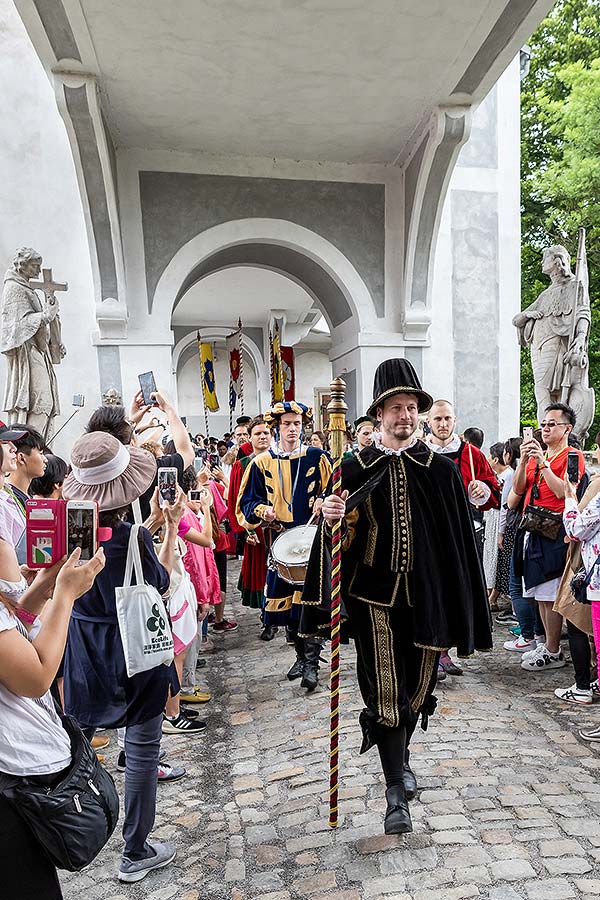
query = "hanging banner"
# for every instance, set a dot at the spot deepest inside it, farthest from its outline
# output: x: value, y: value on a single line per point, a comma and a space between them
x: 289, y: 374
x: 234, y: 349
x: 276, y: 367
x: 209, y: 388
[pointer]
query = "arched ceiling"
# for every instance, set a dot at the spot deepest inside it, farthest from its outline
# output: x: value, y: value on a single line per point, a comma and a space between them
x: 247, y: 292
x: 303, y: 79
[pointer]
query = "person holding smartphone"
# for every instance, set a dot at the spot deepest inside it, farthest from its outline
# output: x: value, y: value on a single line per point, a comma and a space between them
x: 33, y: 742
x: 98, y: 691
x: 539, y: 480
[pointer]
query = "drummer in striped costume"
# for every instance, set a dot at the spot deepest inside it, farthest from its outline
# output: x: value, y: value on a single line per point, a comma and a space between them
x: 279, y: 490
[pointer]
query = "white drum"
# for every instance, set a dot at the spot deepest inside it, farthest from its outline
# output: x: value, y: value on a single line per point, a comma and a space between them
x: 290, y: 553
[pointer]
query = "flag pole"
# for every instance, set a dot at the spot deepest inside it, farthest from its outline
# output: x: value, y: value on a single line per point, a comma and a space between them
x: 337, y: 430
x: 206, y: 425
x: 241, y: 376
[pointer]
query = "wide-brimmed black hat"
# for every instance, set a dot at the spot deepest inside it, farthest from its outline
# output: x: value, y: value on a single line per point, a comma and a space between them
x: 397, y: 376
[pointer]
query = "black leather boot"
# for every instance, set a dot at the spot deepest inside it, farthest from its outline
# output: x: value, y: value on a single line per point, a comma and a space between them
x: 268, y: 632
x: 397, y: 815
x: 297, y: 670
x: 312, y: 650
x: 409, y: 778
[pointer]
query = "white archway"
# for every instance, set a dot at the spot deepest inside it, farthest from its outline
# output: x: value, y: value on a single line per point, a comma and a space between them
x: 275, y: 232
x: 216, y: 333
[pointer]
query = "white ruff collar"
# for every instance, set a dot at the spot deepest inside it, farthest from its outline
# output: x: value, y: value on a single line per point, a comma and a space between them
x: 452, y: 447
x: 297, y: 451
x: 389, y: 451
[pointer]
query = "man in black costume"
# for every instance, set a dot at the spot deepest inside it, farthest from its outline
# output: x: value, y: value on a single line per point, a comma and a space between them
x: 412, y: 582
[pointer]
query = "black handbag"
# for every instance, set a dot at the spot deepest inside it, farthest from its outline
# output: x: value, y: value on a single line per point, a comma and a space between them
x: 542, y: 521
x: 581, y: 581
x: 74, y: 819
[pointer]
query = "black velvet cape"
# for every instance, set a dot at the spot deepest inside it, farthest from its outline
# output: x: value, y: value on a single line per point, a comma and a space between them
x: 441, y: 576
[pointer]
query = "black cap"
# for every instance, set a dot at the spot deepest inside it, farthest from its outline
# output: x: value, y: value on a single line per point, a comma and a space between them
x: 397, y: 376
x: 7, y: 433
x: 243, y: 420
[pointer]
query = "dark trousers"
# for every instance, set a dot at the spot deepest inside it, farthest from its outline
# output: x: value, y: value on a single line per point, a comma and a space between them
x: 581, y: 656
x: 27, y: 873
x: 526, y: 608
x: 142, y: 748
x: 396, y: 678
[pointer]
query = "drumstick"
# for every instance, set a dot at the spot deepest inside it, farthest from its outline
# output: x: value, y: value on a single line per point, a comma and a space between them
x: 337, y: 431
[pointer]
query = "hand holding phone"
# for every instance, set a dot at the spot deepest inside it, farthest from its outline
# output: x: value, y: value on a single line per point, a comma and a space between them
x: 573, y: 467
x: 148, y: 387
x: 82, y: 528
x: 167, y: 486
x: 527, y: 433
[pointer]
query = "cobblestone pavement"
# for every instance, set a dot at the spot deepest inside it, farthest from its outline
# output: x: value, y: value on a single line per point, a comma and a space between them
x: 509, y: 806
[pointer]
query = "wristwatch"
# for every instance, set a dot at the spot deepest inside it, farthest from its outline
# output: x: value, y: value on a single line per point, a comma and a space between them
x: 547, y: 464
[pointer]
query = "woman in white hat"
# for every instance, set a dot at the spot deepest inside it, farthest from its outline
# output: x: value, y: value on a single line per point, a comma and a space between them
x: 98, y: 691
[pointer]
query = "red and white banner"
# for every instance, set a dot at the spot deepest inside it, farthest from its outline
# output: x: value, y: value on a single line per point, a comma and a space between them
x: 289, y: 373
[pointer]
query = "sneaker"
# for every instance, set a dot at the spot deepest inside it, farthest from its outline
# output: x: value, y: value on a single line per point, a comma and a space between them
x: 441, y: 675
x: 136, y: 869
x: 595, y: 689
x: 121, y: 759
x: 225, y: 625
x: 515, y: 629
x: 592, y: 735
x: 195, y: 696
x: 520, y: 645
x: 200, y: 663
x: 541, y: 659
x: 206, y: 646
x: 574, y: 695
x: 100, y: 741
x: 538, y: 643
x: 181, y: 724
x: 507, y: 618
x: 190, y: 712
x: 169, y: 773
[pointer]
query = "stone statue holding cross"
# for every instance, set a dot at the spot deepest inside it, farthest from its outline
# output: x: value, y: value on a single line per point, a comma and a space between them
x: 30, y: 339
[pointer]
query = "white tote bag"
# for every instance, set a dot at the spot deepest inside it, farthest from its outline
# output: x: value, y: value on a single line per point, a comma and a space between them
x: 183, y: 605
x: 143, y: 621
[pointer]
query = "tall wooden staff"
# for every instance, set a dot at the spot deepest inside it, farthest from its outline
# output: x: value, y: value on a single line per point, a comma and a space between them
x: 337, y: 433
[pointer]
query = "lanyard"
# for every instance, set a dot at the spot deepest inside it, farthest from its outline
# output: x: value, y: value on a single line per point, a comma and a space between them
x: 19, y: 502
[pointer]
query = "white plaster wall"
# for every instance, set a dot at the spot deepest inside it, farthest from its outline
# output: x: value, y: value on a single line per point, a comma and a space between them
x: 438, y: 359
x: 189, y: 391
x: 313, y: 370
x: 41, y: 208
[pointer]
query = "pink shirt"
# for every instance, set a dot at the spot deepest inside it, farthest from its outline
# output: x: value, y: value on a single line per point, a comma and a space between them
x: 199, y: 563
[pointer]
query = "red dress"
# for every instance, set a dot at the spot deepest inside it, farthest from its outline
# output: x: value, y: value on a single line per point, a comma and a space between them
x: 251, y: 583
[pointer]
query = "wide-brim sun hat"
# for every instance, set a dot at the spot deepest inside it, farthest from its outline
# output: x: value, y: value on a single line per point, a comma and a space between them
x: 105, y: 470
x: 397, y: 376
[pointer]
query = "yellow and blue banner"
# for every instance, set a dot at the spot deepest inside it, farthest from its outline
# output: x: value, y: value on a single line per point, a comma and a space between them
x: 209, y: 387
x: 277, y: 382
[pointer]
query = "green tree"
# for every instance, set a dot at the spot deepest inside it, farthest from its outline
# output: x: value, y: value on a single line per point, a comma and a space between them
x: 560, y: 159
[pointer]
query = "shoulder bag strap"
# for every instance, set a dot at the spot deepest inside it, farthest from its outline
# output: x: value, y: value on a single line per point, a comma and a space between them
x: 130, y: 555
x: 136, y: 539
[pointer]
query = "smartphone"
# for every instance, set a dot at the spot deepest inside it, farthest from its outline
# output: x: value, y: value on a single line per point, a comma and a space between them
x: 82, y: 527
x: 44, y: 532
x: 196, y: 496
x: 148, y: 387
x: 527, y: 433
x: 214, y: 460
x: 78, y: 400
x: 167, y: 486
x: 202, y: 456
x: 573, y: 467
